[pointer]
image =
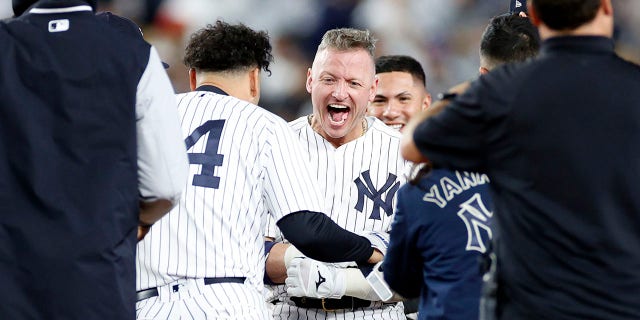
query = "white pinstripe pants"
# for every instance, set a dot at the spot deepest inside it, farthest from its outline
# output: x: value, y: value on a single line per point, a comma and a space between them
x: 192, y: 299
x: 288, y: 311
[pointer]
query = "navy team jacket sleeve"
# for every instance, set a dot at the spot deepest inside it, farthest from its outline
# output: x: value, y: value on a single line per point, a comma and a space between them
x: 402, y: 266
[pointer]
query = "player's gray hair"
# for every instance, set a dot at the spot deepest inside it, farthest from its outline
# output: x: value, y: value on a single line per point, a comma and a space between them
x: 348, y: 38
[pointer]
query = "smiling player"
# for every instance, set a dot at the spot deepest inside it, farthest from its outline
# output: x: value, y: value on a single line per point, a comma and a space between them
x: 401, y: 91
x: 358, y: 166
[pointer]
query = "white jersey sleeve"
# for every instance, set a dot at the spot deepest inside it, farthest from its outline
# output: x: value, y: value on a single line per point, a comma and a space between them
x: 162, y: 156
x: 289, y: 186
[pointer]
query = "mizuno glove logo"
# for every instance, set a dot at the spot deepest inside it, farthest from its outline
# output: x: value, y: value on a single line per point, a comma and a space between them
x: 320, y: 281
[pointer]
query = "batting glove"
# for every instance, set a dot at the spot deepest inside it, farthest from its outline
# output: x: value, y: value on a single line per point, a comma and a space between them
x: 310, y: 278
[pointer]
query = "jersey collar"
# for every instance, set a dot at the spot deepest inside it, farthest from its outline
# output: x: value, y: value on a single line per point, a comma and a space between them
x: 211, y: 88
x: 572, y: 44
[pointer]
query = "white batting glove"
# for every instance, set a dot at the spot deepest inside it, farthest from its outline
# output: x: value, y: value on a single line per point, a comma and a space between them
x: 291, y: 253
x: 379, y: 240
x: 310, y: 278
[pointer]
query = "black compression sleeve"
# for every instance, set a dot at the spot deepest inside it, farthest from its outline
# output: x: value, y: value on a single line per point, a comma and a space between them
x: 318, y: 237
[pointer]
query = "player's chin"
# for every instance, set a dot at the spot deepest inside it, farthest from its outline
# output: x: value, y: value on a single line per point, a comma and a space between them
x: 338, y: 132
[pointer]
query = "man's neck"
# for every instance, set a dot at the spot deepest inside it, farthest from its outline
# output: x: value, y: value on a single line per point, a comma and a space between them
x: 601, y: 25
x: 235, y: 86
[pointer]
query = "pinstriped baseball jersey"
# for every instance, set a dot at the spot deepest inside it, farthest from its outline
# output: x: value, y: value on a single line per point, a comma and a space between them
x: 244, y: 162
x: 359, y: 181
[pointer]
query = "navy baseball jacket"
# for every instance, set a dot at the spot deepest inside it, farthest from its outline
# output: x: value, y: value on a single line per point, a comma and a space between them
x: 441, y: 228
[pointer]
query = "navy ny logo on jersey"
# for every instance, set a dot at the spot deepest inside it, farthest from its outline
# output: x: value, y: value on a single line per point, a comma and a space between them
x: 210, y: 158
x: 476, y: 217
x: 366, y: 188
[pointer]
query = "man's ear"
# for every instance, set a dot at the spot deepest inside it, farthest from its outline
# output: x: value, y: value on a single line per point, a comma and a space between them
x: 427, y: 101
x: 607, y: 7
x: 374, y: 88
x: 533, y: 15
x: 254, y: 82
x: 308, y: 84
x: 483, y: 70
x: 192, y: 79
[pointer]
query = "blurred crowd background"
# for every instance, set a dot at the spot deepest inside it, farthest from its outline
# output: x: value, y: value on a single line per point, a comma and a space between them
x: 443, y: 35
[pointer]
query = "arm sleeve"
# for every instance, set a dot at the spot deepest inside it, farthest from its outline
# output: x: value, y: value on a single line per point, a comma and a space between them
x: 318, y: 237
x: 162, y: 154
x: 402, y: 266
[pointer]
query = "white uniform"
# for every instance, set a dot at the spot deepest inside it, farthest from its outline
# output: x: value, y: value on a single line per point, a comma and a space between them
x: 359, y: 181
x: 245, y: 162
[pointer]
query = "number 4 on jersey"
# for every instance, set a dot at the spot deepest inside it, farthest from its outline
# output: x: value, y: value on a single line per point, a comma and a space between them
x: 210, y: 158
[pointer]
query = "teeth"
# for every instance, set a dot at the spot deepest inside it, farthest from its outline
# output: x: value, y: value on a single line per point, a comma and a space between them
x: 396, y: 126
x: 338, y: 106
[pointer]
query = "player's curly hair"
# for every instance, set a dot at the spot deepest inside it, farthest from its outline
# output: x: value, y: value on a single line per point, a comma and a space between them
x: 226, y: 47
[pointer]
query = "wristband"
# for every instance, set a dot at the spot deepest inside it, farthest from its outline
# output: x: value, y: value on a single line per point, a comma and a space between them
x: 268, y: 245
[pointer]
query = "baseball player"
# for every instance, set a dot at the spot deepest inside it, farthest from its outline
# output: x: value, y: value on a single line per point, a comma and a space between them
x: 90, y: 157
x: 206, y: 258
x: 401, y: 92
x: 357, y: 162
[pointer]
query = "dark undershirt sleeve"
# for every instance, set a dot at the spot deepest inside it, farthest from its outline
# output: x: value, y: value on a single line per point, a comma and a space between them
x: 318, y: 237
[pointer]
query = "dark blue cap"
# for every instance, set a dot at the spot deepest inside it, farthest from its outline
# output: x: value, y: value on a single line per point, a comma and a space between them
x: 518, y: 6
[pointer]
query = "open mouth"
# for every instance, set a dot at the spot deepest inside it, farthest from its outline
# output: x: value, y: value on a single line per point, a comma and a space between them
x: 397, y: 126
x: 338, y: 114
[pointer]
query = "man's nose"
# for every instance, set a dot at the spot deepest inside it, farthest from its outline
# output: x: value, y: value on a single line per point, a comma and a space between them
x: 392, y: 110
x: 340, y: 90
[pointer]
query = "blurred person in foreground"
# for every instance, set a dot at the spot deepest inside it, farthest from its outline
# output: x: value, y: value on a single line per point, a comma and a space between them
x: 568, y: 235
x: 91, y: 158
x: 443, y: 224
